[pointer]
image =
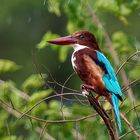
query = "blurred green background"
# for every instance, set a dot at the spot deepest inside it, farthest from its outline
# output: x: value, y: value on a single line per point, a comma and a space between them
x: 25, y: 27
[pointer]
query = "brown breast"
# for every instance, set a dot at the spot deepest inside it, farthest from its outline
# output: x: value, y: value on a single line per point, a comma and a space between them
x: 89, y: 72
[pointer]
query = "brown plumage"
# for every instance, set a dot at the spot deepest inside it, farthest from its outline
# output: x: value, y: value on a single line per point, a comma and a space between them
x: 87, y: 69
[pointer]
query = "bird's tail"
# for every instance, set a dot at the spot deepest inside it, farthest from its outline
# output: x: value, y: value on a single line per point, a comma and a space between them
x: 115, y: 102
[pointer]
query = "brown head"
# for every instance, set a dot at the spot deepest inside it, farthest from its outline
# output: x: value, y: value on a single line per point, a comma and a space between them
x: 83, y: 38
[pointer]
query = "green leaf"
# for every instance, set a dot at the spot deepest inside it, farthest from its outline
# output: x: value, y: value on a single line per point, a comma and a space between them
x: 39, y: 95
x: 3, y: 117
x: 5, y: 88
x: 125, y: 10
x: 8, y: 66
x: 63, y: 52
x: 84, y: 111
x: 71, y: 27
x: 48, y: 36
x: 124, y: 20
x: 11, y: 137
x: 121, y: 42
x: 40, y: 110
x: 54, y: 7
x: 34, y: 81
x: 135, y: 73
x: 55, y: 110
x: 107, y: 5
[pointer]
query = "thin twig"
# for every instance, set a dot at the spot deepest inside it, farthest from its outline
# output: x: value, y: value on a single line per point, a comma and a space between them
x: 62, y: 90
x: 130, y: 85
x: 12, y: 111
x: 125, y: 62
x: 47, y: 136
x: 136, y: 113
x: 39, y: 102
x: 134, y: 107
x: 130, y: 126
x: 124, y: 135
x: 16, y: 113
x: 42, y: 131
x: 8, y: 130
x: 77, y: 135
x: 55, y: 82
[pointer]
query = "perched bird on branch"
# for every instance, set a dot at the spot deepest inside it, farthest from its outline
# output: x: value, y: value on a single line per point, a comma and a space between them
x: 93, y: 68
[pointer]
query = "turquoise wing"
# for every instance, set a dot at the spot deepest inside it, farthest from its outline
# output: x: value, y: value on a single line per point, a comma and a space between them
x: 111, y: 84
x: 109, y: 78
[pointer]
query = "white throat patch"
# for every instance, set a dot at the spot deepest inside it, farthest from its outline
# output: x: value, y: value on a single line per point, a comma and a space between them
x: 78, y: 47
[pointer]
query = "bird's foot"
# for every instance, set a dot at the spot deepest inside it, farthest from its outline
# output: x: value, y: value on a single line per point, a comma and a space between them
x: 84, y: 91
x: 87, y: 87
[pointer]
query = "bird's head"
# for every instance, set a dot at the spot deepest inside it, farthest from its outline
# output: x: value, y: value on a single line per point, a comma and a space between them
x: 83, y: 38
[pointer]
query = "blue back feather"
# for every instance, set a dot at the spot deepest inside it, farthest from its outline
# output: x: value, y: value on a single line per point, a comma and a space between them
x: 112, y: 85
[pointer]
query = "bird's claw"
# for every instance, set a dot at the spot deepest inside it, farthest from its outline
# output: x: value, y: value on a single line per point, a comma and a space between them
x: 84, y: 91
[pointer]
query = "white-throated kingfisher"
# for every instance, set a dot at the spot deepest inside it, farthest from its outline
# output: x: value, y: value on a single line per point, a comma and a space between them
x: 93, y: 68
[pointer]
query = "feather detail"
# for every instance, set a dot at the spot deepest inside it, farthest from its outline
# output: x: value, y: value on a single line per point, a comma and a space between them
x: 111, y: 84
x: 115, y: 102
x: 110, y: 79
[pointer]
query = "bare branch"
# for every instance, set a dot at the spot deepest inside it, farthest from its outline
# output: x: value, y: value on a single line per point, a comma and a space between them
x: 130, y: 126
x: 77, y: 135
x: 125, y: 88
x: 46, y: 135
x: 125, y: 62
x: 39, y: 102
x: 134, y: 107
x: 124, y: 135
x: 62, y: 90
x: 7, y: 107
x: 103, y: 115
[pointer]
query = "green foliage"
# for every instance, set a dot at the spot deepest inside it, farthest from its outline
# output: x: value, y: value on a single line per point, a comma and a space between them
x: 63, y: 51
x: 47, y: 36
x: 121, y: 9
x: 8, y: 66
x: 78, y: 15
x: 135, y: 73
x: 121, y: 43
x: 118, y: 8
x: 33, y: 81
x: 54, y: 6
x: 38, y: 95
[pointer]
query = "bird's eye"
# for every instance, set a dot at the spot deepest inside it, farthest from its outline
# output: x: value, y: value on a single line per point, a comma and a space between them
x: 81, y: 36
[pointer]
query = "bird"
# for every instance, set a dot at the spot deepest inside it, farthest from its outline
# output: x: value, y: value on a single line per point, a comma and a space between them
x: 93, y: 68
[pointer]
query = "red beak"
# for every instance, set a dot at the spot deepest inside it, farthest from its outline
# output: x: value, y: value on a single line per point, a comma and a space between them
x: 67, y: 40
